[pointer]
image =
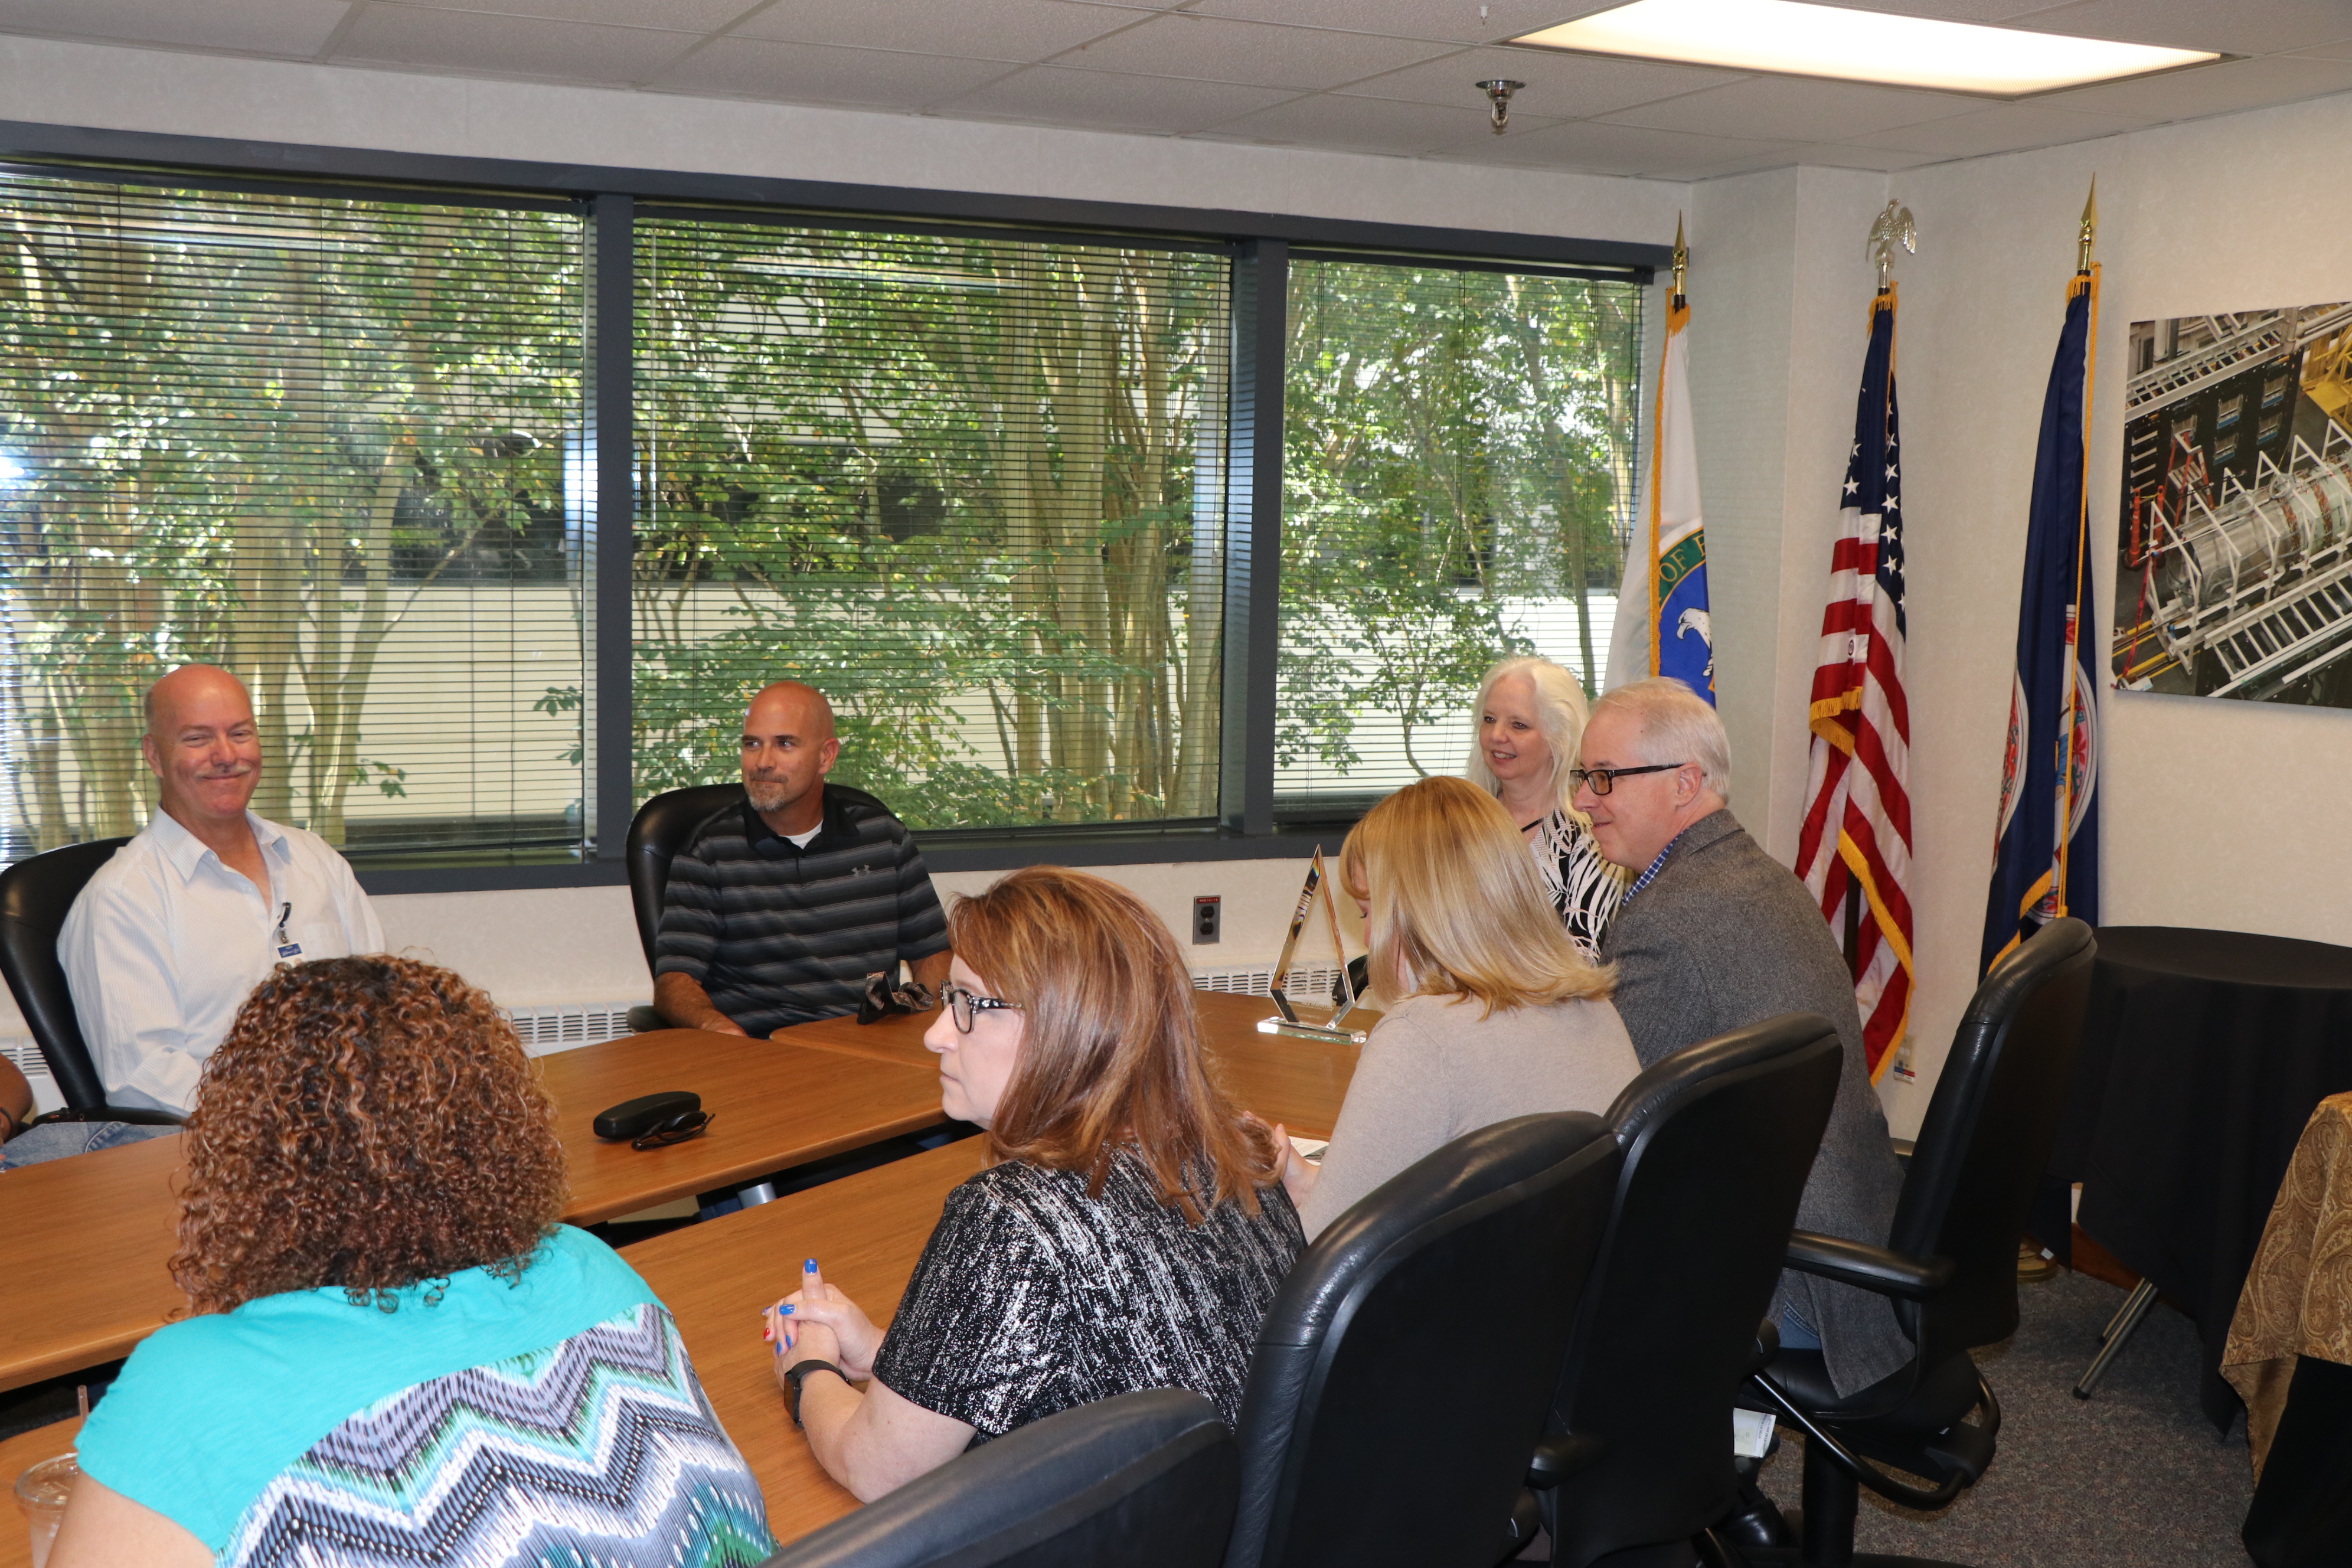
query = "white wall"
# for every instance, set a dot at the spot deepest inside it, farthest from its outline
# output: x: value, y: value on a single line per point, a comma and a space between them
x: 2216, y: 215
x: 203, y: 95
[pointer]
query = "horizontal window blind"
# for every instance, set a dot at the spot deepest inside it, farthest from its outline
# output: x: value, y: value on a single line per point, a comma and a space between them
x: 321, y: 442
x: 970, y: 487
x: 1458, y: 475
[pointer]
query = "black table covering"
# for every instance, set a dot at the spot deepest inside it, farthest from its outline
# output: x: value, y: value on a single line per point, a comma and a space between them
x: 2203, y: 1055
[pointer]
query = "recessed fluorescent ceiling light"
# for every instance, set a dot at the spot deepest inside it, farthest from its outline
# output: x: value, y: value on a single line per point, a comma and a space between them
x: 1857, y: 45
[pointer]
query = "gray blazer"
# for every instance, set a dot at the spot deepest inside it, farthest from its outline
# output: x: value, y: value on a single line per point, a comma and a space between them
x: 1726, y: 937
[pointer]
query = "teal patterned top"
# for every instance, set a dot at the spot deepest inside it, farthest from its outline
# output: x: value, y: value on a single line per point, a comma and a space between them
x: 551, y: 1419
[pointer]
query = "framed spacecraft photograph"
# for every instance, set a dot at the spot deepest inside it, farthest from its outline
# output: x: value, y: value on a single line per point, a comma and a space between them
x: 2234, y: 563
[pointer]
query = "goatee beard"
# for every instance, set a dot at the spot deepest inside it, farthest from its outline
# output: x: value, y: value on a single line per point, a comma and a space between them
x: 765, y: 794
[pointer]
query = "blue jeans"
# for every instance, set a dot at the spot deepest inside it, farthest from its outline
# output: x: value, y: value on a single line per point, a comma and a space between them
x: 1796, y: 1334
x: 56, y: 1140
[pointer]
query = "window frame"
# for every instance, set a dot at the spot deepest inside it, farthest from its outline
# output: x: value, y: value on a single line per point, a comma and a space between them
x: 1260, y: 246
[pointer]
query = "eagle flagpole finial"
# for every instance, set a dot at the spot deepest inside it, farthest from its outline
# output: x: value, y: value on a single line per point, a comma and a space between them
x: 1894, y: 227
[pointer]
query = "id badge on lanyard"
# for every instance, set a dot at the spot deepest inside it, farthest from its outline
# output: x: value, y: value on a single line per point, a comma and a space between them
x: 286, y: 949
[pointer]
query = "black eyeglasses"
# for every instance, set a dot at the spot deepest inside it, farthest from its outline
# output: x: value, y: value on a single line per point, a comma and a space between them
x: 1601, y: 780
x: 686, y: 1124
x: 962, y: 1004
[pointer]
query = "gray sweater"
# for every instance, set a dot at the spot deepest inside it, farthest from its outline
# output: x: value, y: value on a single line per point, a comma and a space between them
x: 1726, y: 937
x: 1433, y: 1070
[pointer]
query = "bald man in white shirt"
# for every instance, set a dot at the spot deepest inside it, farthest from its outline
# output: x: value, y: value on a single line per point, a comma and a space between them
x: 174, y: 931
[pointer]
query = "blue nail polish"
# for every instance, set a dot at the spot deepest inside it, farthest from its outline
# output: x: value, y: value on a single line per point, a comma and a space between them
x: 784, y: 1311
x: 810, y: 1266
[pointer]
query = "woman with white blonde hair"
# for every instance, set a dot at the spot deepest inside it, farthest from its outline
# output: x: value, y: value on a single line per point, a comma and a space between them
x: 1531, y: 717
x: 1490, y: 1012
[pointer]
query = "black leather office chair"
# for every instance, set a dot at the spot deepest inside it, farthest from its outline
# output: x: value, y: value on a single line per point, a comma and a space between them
x: 1144, y: 1480
x: 1401, y: 1373
x: 34, y: 896
x: 1950, y: 1262
x: 1717, y: 1140
x: 656, y: 834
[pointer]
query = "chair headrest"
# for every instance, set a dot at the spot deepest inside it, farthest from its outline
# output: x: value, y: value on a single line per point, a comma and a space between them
x: 2062, y: 941
x: 1472, y: 1167
x: 996, y: 1502
x: 1662, y: 1085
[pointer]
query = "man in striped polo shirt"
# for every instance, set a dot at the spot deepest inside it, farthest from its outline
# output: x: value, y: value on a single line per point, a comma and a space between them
x: 779, y: 906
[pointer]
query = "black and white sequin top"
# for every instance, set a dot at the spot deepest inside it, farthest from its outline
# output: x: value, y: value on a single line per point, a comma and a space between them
x: 1031, y: 1298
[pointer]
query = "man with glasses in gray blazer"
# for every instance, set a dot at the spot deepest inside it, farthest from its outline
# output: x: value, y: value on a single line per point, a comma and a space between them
x: 1714, y: 935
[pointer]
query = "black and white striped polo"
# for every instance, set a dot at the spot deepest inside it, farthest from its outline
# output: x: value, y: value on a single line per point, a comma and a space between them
x: 778, y: 934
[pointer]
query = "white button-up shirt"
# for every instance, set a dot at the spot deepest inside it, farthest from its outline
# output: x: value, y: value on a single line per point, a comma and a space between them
x: 166, y: 942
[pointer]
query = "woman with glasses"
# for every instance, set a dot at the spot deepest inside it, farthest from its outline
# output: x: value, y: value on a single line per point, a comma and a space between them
x: 396, y: 1353
x: 1131, y: 1236
x: 1489, y: 1011
x: 1532, y: 716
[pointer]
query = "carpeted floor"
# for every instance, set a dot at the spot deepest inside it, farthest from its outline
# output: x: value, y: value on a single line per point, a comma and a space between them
x: 2133, y: 1477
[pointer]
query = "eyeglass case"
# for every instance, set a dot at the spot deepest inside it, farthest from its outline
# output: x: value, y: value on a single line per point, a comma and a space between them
x: 636, y: 1118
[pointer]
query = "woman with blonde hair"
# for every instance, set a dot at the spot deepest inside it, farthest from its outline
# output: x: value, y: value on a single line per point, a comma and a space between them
x: 1490, y: 1012
x: 1131, y: 1236
x: 1532, y: 715
x: 397, y: 1353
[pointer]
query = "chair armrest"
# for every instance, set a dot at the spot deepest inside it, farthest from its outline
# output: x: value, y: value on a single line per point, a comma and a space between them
x: 1873, y: 1268
x: 1559, y: 1456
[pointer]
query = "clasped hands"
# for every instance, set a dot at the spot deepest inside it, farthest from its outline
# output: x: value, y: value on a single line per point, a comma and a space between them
x: 819, y: 1322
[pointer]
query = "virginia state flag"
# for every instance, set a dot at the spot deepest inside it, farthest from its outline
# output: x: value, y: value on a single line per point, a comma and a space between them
x: 1663, y: 627
x: 2046, y: 850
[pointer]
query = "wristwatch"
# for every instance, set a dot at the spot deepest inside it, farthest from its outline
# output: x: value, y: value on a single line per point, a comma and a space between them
x: 798, y: 1371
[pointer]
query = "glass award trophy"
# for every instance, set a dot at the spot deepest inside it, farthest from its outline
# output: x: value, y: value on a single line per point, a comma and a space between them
x: 1287, y: 1020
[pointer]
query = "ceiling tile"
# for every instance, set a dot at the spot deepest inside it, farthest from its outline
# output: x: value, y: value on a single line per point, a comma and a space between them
x: 1104, y: 101
x: 1565, y: 85
x: 1366, y: 126
x: 1209, y: 50
x: 812, y: 73
x: 1795, y: 108
x: 2236, y: 27
x: 1952, y: 10
x: 2341, y: 51
x: 2003, y: 128
x: 1445, y: 21
x: 507, y: 46
x: 2210, y: 90
x: 1598, y: 148
x: 282, y: 27
x: 1024, y: 30
x: 669, y: 15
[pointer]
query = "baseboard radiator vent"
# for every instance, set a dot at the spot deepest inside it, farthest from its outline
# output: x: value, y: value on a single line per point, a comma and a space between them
x: 564, y: 1027
x: 1307, y: 982
x: 20, y: 1049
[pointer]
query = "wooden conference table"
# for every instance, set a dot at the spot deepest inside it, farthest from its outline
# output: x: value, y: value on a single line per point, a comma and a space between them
x: 87, y: 1285
x: 88, y: 1238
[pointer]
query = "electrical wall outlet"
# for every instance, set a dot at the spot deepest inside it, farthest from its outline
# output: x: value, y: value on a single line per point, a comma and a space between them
x: 1207, y: 921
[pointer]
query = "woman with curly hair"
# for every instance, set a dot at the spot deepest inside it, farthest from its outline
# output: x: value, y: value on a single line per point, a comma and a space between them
x: 1131, y: 1238
x: 397, y: 1353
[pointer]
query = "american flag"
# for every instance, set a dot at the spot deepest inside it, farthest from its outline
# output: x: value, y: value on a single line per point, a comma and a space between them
x: 1857, y: 831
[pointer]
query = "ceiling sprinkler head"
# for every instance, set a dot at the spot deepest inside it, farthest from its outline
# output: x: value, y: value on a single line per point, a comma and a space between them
x: 1499, y: 93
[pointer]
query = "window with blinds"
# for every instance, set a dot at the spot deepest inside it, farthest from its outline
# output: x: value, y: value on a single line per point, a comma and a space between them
x: 1458, y: 478
x: 319, y: 441
x: 972, y: 488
